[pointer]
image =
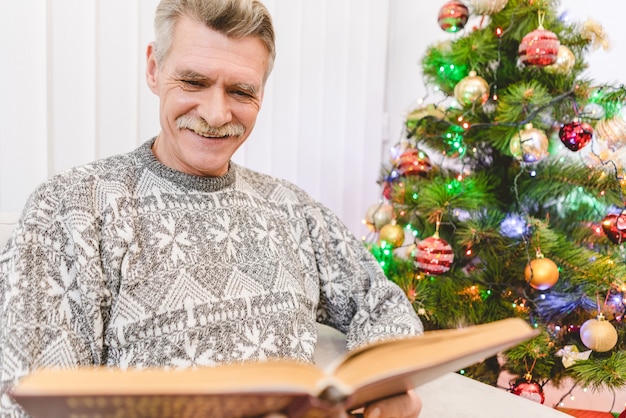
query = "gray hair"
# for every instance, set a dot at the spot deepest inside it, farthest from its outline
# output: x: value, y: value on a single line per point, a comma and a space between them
x: 234, y: 18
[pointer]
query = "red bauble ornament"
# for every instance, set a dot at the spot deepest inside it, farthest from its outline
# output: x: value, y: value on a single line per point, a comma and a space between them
x: 433, y: 255
x: 387, y: 189
x: 413, y: 162
x: 394, y: 191
x: 614, y: 227
x: 453, y: 16
x: 576, y: 135
x: 539, y: 48
x: 529, y: 389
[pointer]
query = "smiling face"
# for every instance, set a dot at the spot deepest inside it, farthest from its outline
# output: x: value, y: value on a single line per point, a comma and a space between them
x: 210, y: 89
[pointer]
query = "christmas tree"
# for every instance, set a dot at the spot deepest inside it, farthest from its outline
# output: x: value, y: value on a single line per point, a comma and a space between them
x: 506, y: 195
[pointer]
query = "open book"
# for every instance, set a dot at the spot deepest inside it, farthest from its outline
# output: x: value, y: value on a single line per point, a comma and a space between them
x: 253, y: 389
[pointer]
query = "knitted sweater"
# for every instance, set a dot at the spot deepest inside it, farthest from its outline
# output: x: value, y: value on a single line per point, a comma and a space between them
x: 125, y: 262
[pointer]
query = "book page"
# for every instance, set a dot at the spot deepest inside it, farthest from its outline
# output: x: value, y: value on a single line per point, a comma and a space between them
x: 392, y: 367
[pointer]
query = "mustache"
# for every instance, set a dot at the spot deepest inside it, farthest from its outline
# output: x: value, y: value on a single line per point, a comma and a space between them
x: 201, y: 127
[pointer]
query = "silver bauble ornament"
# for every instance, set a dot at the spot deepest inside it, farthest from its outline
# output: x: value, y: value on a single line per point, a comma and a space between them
x: 529, y: 145
x: 378, y: 215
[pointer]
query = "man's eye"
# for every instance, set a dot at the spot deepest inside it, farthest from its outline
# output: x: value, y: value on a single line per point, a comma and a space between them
x: 192, y: 83
x: 242, y: 93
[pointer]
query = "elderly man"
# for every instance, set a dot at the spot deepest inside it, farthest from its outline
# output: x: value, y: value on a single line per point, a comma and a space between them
x: 174, y: 256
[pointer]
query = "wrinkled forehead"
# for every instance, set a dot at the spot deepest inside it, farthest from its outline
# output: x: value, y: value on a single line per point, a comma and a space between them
x: 202, y: 51
x: 195, y: 40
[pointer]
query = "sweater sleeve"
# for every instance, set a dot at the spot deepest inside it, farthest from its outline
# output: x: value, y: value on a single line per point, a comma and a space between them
x: 49, y: 313
x: 355, y: 295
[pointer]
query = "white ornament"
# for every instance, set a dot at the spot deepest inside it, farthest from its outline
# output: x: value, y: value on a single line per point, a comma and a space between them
x: 487, y: 7
x: 598, y: 334
x: 571, y: 355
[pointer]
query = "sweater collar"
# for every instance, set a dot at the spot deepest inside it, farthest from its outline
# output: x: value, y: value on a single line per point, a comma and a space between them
x: 203, y: 184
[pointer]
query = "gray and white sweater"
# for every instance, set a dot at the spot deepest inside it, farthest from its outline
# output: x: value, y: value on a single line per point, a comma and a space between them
x: 125, y: 262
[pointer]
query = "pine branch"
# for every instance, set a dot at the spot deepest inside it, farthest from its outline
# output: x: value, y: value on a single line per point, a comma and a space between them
x: 601, y: 373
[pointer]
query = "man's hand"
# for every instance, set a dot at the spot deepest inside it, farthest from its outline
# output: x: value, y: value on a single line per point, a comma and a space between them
x: 408, y: 405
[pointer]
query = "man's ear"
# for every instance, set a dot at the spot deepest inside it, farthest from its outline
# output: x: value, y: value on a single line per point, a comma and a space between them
x: 152, y: 69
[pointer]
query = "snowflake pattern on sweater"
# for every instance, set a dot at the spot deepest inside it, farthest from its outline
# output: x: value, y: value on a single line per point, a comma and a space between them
x: 125, y: 262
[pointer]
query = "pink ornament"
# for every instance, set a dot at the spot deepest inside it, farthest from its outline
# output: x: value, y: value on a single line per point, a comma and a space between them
x: 576, y: 135
x: 434, y: 255
x: 539, y: 48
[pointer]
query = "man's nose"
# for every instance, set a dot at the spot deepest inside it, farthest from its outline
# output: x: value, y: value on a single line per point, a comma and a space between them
x: 215, y: 107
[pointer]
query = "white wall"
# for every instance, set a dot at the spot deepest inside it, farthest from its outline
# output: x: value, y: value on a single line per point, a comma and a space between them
x: 73, y: 88
x: 73, y: 91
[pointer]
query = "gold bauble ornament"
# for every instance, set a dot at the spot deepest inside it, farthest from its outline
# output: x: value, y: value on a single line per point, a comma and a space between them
x: 598, y: 334
x: 430, y: 110
x: 529, y: 145
x: 472, y: 89
x: 541, y: 273
x: 613, y: 131
x: 564, y: 63
x: 392, y: 234
x: 487, y: 7
x: 378, y: 215
x: 594, y: 32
